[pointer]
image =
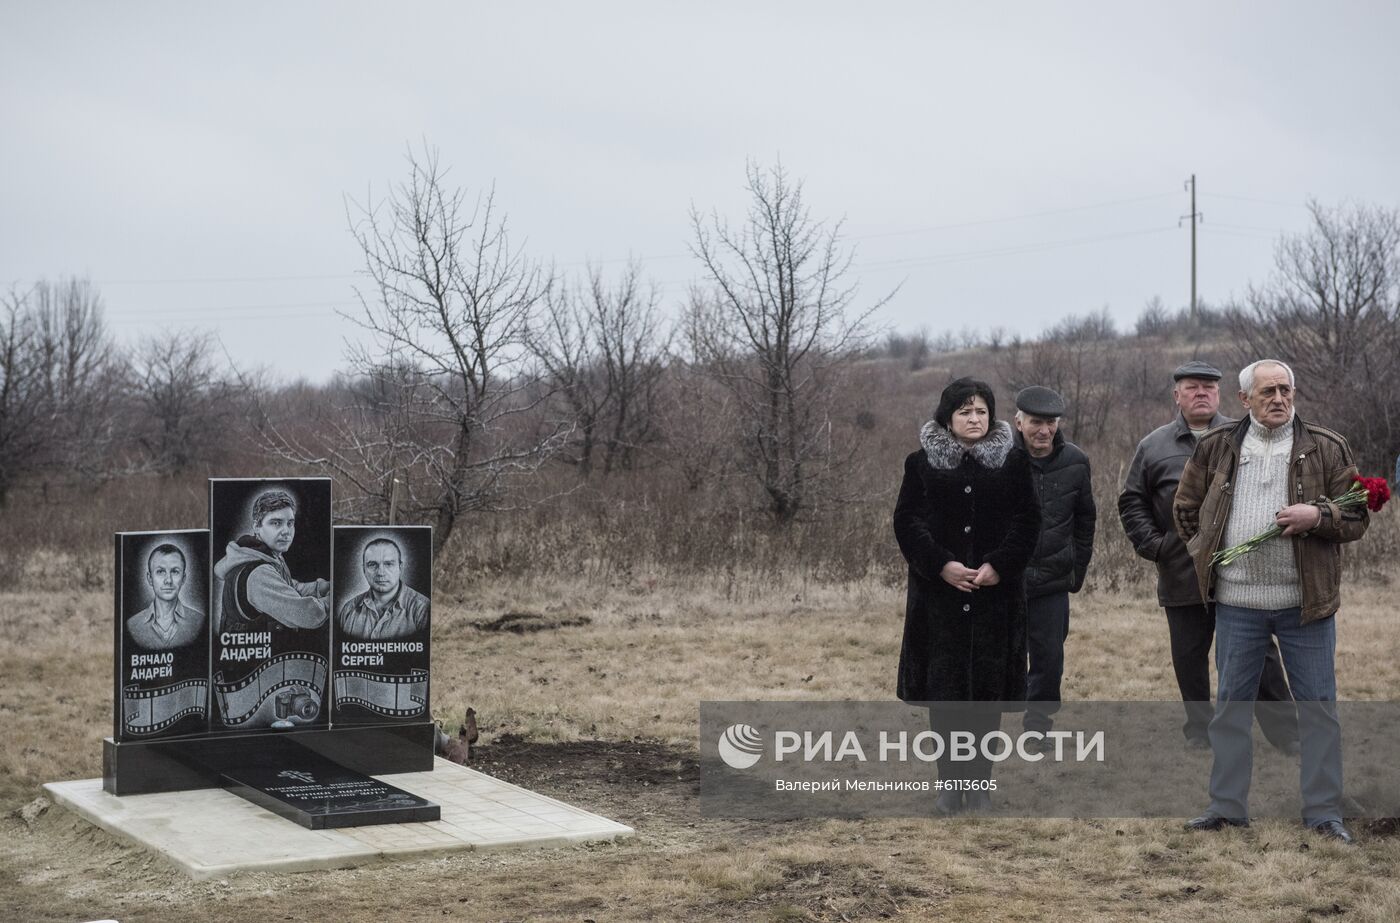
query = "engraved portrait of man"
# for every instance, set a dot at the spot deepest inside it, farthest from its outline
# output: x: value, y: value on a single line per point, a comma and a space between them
x: 167, y: 622
x: 255, y: 588
x: 388, y: 608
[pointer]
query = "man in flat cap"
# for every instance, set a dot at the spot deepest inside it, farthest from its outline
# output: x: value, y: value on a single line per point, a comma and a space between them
x: 1061, y: 473
x: 1145, y: 509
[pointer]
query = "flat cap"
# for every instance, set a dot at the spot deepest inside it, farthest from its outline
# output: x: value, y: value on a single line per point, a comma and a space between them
x: 1040, y: 402
x: 1197, y: 369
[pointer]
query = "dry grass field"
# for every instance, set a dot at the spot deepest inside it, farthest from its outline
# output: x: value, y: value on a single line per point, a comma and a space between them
x: 603, y: 714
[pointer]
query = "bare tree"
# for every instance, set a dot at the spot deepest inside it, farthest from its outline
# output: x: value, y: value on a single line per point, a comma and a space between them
x: 699, y: 431
x: 81, y: 376
x: 566, y: 345
x: 603, y: 348
x: 778, y: 337
x: 447, y: 314
x: 185, y: 400
x: 1332, y: 311
x: 1155, y: 319
x: 83, y: 380
x: 61, y: 383
x: 24, y: 405
x: 632, y: 345
x: 363, y: 429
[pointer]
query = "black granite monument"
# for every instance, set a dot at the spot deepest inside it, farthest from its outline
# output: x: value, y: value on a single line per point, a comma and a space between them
x: 223, y: 642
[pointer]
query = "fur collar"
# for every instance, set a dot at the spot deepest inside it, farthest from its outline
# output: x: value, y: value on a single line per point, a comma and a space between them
x: 945, y: 452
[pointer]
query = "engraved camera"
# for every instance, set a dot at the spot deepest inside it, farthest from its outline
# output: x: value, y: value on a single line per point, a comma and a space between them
x: 294, y: 703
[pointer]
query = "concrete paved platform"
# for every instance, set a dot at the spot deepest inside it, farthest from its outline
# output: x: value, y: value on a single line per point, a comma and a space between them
x: 211, y: 833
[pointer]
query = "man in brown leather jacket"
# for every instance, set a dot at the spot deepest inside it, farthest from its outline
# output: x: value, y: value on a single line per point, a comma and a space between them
x: 1272, y: 468
x: 1145, y: 510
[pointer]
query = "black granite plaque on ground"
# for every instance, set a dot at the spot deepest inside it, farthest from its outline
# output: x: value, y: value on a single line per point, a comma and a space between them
x: 318, y: 794
x: 161, y: 634
x: 383, y: 624
x: 271, y: 546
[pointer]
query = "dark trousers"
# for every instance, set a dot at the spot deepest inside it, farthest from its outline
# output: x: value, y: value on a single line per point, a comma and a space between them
x: 1192, y: 629
x: 980, y: 719
x: 1047, y: 626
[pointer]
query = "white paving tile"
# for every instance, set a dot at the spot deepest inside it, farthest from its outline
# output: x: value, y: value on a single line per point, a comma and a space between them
x: 212, y: 833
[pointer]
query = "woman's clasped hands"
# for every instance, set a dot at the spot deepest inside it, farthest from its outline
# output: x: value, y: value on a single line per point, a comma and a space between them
x: 968, y: 579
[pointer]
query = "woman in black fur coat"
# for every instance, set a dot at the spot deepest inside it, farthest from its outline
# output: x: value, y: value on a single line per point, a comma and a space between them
x: 967, y: 521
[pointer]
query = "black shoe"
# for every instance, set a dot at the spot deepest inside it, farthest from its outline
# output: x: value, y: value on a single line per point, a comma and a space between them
x: 1288, y: 747
x: 1210, y: 821
x: 949, y: 803
x: 1033, y: 745
x: 979, y: 802
x: 1333, y: 830
x: 1198, y: 743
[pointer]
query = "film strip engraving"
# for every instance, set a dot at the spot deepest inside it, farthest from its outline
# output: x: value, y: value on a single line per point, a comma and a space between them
x: 240, y: 700
x: 148, y: 711
x: 385, y: 694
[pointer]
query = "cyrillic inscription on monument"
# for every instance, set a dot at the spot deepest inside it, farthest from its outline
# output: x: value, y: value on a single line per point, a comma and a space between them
x: 383, y: 622
x: 162, y: 634
x: 272, y: 566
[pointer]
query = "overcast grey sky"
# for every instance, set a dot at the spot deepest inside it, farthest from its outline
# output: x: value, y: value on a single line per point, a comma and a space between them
x: 1010, y: 163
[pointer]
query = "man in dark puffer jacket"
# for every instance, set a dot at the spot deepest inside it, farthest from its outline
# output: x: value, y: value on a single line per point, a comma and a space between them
x: 1061, y: 473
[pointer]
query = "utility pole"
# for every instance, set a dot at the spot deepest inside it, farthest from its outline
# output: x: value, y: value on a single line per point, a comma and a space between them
x: 1195, y: 217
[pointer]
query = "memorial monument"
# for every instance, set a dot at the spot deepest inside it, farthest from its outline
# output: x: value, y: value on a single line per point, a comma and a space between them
x: 275, y: 655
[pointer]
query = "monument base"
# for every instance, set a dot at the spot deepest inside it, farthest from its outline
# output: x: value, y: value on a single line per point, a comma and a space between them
x: 213, y: 833
x: 146, y: 766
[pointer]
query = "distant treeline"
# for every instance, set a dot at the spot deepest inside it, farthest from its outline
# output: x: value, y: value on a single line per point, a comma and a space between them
x: 572, y: 424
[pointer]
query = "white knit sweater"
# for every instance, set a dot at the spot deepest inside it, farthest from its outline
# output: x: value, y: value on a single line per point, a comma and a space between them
x: 1268, y: 577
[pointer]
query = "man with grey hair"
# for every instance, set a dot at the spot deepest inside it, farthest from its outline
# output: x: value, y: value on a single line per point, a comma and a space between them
x: 1067, y: 520
x: 1272, y: 468
x: 1145, y: 510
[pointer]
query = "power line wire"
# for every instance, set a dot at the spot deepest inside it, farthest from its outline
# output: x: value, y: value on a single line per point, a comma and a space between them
x: 1245, y: 198
x: 203, y: 280
x: 914, y: 262
x: 1250, y: 227
x: 156, y: 312
x: 984, y: 221
x: 124, y: 320
x: 222, y: 280
x: 937, y: 259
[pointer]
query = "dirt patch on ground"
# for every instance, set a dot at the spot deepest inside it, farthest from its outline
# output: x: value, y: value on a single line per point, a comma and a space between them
x: 524, y: 623
x: 652, y: 783
x: 590, y: 764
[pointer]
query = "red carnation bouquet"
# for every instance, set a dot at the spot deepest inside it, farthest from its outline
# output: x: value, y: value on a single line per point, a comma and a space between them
x: 1370, y: 492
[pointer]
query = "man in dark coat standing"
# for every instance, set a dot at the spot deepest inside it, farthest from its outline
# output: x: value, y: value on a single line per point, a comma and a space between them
x: 1145, y: 509
x: 1067, y: 519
